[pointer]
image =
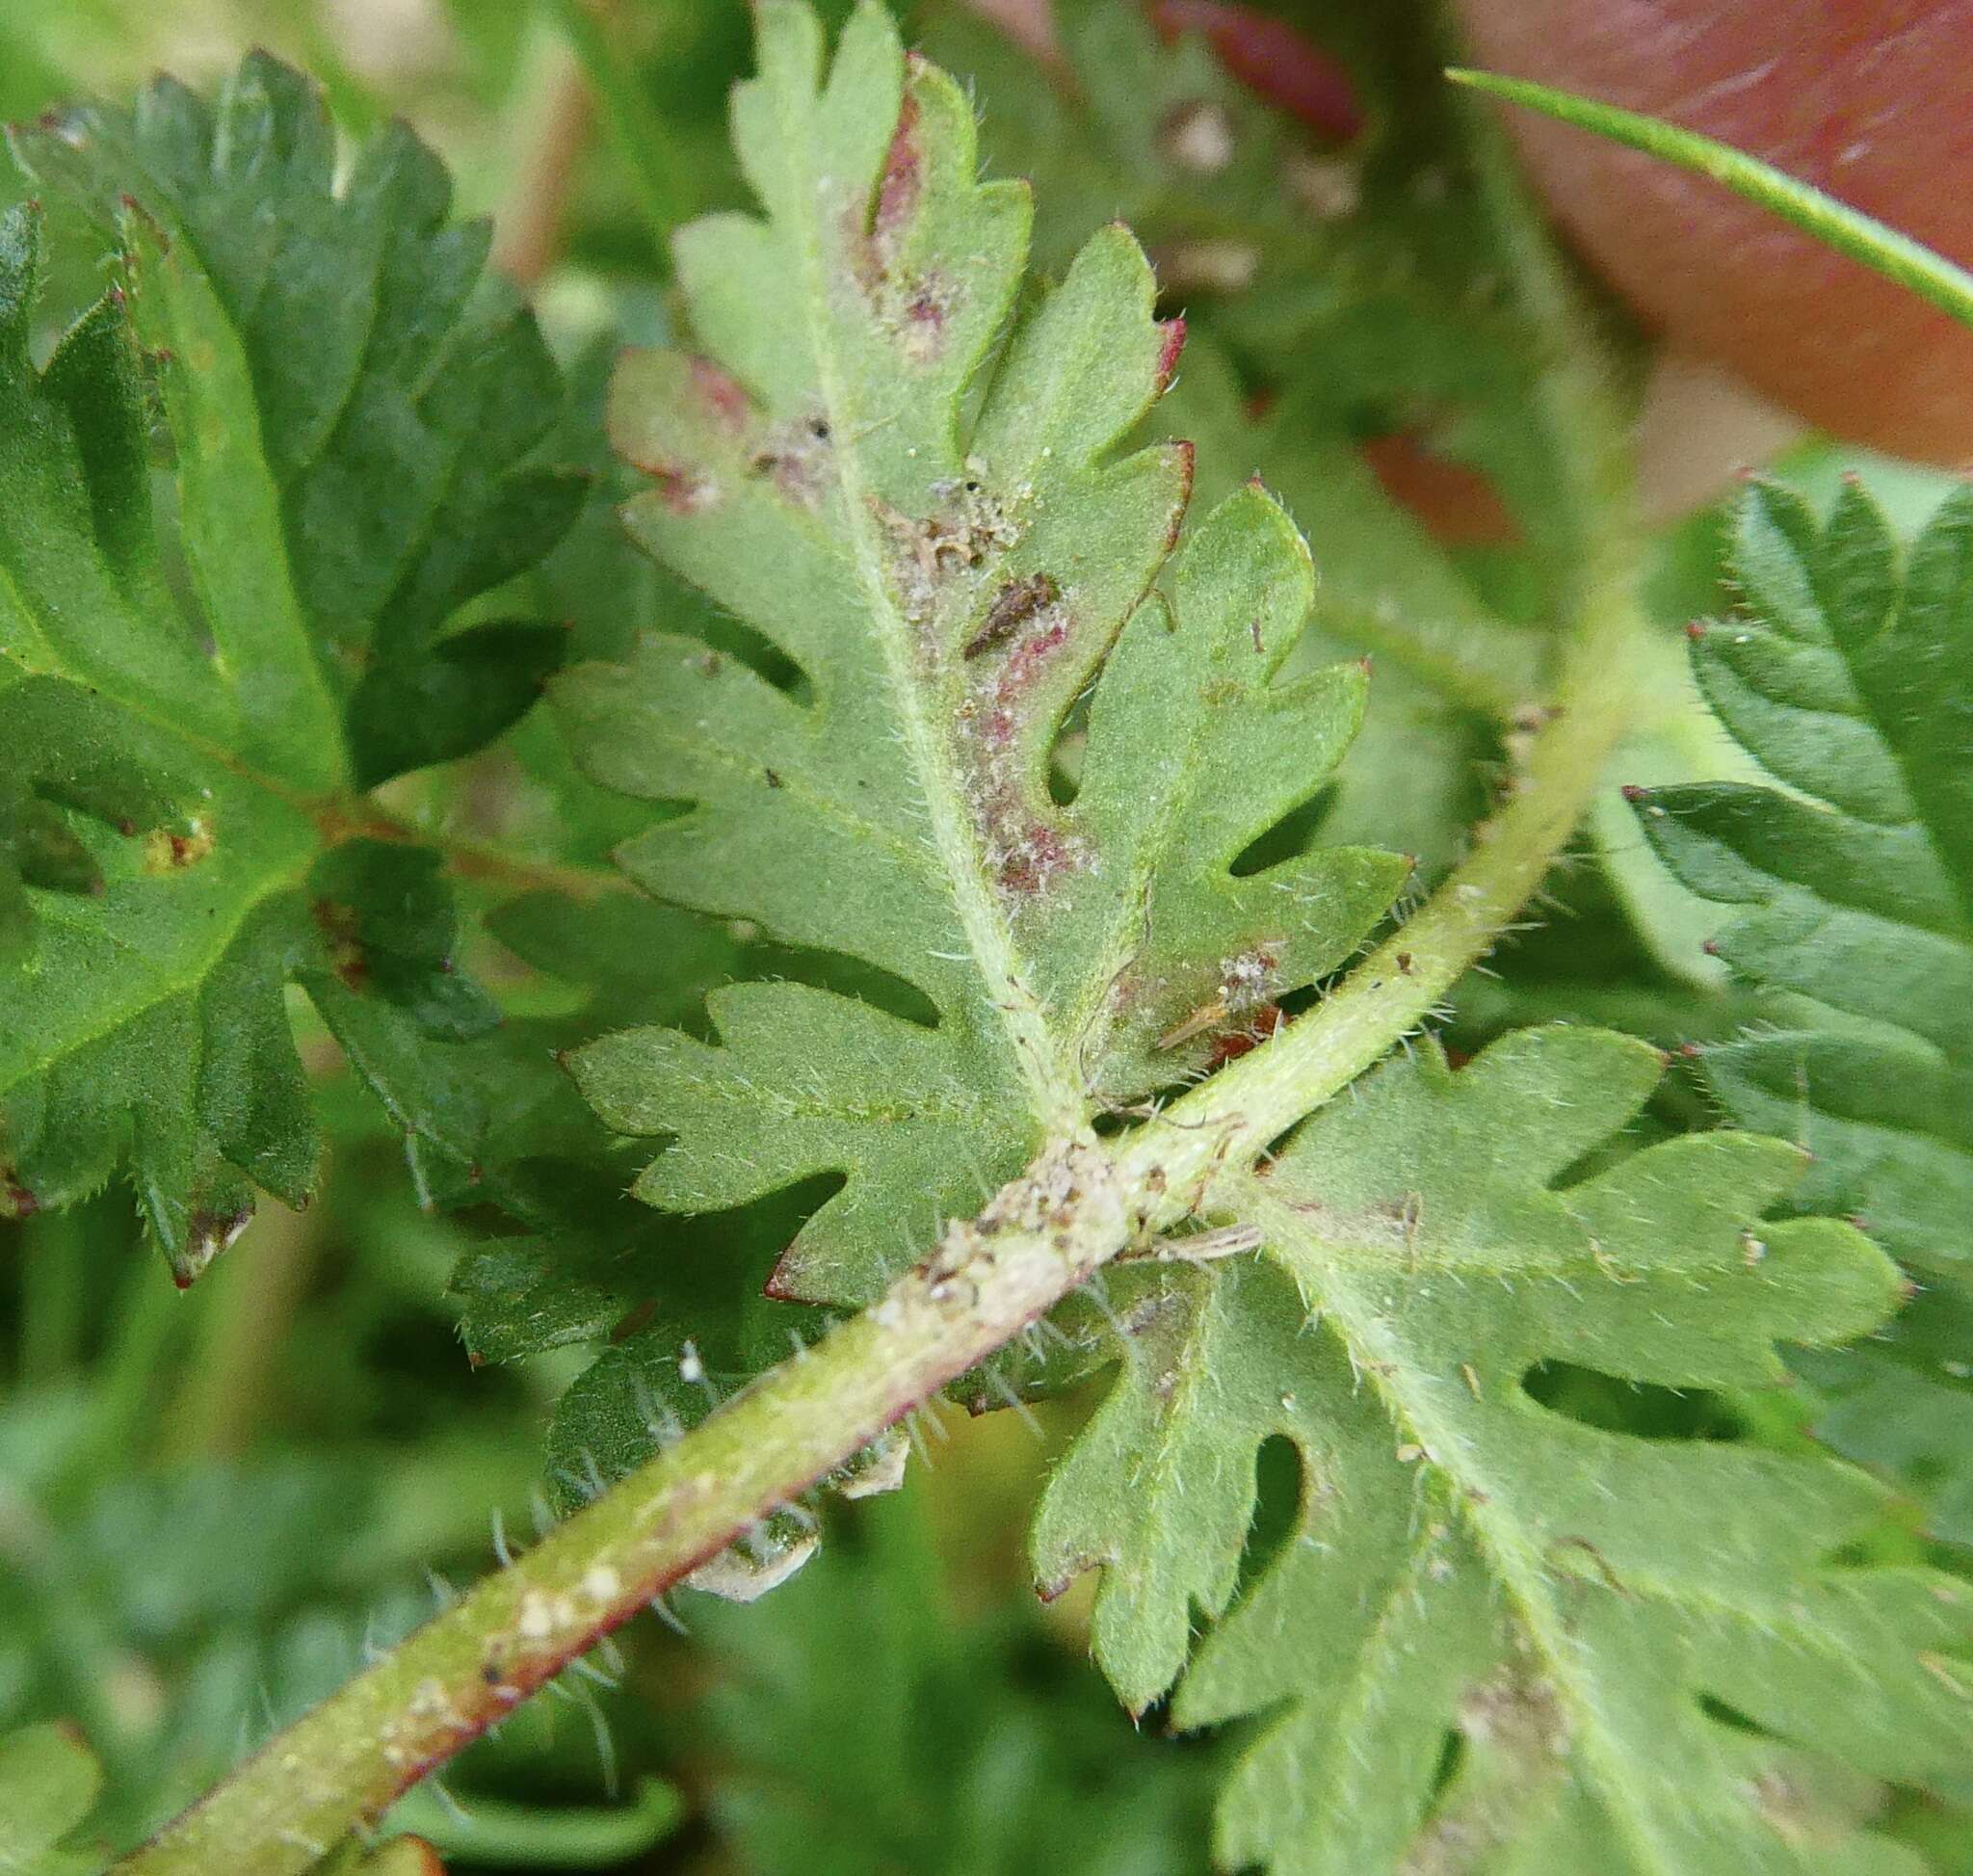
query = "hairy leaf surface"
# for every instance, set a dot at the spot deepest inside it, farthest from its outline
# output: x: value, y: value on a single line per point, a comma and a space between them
x: 1643, y: 1644
x: 918, y: 505
x: 195, y: 683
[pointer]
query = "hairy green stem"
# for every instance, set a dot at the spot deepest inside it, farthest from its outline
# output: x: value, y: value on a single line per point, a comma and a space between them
x: 343, y: 1763
x: 1252, y: 1101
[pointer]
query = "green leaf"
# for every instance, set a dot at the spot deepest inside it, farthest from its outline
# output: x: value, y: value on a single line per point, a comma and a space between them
x: 368, y: 404
x: 195, y: 681
x: 1903, y: 1403
x: 1851, y: 680
x: 1848, y: 673
x: 1644, y: 1645
x: 1447, y: 675
x: 983, y: 1745
x: 923, y: 512
x: 48, y: 1785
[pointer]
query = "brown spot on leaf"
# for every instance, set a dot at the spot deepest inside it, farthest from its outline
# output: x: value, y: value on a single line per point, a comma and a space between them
x: 1268, y: 1023
x: 206, y: 1235
x: 1015, y: 604
x: 796, y: 457
x: 168, y: 851
x: 342, y: 932
x: 16, y: 1199
x: 633, y: 1319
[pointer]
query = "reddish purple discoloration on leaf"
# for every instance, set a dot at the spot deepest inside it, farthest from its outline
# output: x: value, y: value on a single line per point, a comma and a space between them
x: 1037, y: 855
x: 903, y: 177
x: 343, y: 934
x: 684, y: 491
x: 1024, y: 663
x: 923, y: 315
x: 724, y: 397
x: 1174, y: 331
x: 1023, y: 851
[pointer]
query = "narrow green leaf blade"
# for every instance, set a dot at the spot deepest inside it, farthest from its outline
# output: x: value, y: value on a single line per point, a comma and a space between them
x: 1835, y: 223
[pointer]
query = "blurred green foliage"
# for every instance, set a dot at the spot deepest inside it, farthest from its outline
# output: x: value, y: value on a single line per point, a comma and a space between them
x: 213, y: 1507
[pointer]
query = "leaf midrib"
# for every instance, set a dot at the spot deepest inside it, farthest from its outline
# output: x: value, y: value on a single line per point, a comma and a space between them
x: 1054, y: 1095
x: 1376, y: 1353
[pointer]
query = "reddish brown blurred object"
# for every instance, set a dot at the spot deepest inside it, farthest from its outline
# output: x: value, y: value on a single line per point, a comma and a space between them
x: 1865, y: 98
x: 1272, y: 57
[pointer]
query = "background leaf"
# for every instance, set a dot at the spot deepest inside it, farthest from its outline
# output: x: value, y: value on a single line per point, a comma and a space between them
x: 192, y: 686
x: 1846, y: 670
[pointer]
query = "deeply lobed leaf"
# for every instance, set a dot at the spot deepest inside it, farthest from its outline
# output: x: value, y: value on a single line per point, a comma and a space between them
x: 193, y: 687
x: 1580, y: 1607
x: 1362, y: 259
x: 1853, y: 684
x: 919, y: 506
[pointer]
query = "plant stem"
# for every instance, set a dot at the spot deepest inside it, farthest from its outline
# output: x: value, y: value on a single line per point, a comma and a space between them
x: 463, y: 854
x: 556, y: 117
x: 343, y: 1763
x: 1252, y: 1101
x: 640, y: 136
